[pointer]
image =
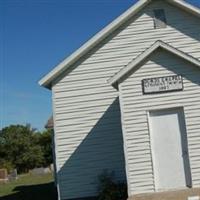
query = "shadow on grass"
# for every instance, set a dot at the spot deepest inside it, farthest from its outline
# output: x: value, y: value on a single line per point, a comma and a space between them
x: 45, y: 191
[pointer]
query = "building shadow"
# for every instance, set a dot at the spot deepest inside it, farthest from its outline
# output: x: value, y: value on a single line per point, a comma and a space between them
x: 45, y: 191
x: 100, y: 150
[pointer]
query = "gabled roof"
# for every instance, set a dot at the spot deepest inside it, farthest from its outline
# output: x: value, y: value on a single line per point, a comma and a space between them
x: 158, y: 44
x: 49, y: 124
x: 46, y: 81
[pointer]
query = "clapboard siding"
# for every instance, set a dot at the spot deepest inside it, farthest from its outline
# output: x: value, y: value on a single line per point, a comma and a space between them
x: 86, y: 109
x: 135, y: 106
x: 94, y: 141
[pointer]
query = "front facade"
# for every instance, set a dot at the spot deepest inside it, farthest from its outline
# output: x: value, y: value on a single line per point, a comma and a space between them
x: 159, y: 100
x: 111, y: 111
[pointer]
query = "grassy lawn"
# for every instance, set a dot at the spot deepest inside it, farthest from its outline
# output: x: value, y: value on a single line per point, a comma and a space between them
x: 29, y: 187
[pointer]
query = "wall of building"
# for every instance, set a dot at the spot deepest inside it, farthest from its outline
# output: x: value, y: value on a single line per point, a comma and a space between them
x: 86, y: 106
x: 135, y: 106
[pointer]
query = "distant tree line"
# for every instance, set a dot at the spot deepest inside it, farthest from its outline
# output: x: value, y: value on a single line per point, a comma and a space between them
x: 24, y: 148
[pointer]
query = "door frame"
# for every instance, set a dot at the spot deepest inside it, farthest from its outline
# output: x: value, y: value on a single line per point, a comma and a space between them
x: 151, y: 144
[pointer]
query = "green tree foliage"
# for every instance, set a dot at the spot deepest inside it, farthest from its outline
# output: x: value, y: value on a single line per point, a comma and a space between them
x: 44, y: 140
x: 23, y: 148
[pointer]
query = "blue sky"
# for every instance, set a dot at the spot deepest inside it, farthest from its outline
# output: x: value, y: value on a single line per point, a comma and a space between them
x: 35, y: 35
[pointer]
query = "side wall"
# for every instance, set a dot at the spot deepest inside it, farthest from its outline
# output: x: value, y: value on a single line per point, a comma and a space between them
x: 135, y: 107
x: 86, y: 107
x: 88, y: 146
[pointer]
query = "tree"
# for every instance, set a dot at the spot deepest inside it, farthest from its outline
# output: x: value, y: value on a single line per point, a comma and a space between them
x: 19, y: 147
x: 44, y: 140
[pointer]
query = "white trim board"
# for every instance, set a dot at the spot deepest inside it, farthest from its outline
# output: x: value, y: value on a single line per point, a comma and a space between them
x: 47, y: 80
x: 158, y: 44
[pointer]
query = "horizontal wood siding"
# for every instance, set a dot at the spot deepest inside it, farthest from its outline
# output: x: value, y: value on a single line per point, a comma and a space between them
x: 89, y: 141
x: 135, y: 106
x: 85, y: 103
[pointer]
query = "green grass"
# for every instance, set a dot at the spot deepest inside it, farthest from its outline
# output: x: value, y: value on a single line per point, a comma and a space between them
x: 29, y: 187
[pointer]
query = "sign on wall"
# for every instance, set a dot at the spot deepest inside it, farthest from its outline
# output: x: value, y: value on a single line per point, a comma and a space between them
x: 162, y: 84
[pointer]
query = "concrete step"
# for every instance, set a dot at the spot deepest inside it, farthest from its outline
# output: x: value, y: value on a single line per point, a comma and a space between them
x: 170, y: 195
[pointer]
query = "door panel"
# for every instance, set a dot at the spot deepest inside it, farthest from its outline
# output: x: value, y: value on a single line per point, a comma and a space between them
x: 169, y: 149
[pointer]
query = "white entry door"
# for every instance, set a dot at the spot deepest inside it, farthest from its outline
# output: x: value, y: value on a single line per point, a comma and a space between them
x: 169, y: 149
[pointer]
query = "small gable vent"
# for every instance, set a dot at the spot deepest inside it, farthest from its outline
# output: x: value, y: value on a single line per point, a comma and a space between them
x: 159, y: 19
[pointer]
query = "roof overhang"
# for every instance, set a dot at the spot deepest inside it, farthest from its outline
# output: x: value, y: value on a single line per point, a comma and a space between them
x: 47, y: 80
x: 158, y: 44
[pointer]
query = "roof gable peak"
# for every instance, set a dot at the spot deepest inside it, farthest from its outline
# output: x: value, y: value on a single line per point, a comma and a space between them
x: 158, y: 44
x: 47, y: 80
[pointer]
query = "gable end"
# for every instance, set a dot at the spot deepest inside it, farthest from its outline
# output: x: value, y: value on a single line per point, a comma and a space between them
x: 47, y: 80
x: 158, y: 44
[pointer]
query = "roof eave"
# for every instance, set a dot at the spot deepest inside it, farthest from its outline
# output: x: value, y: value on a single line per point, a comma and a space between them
x: 186, y: 6
x: 46, y: 80
x: 115, y: 80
